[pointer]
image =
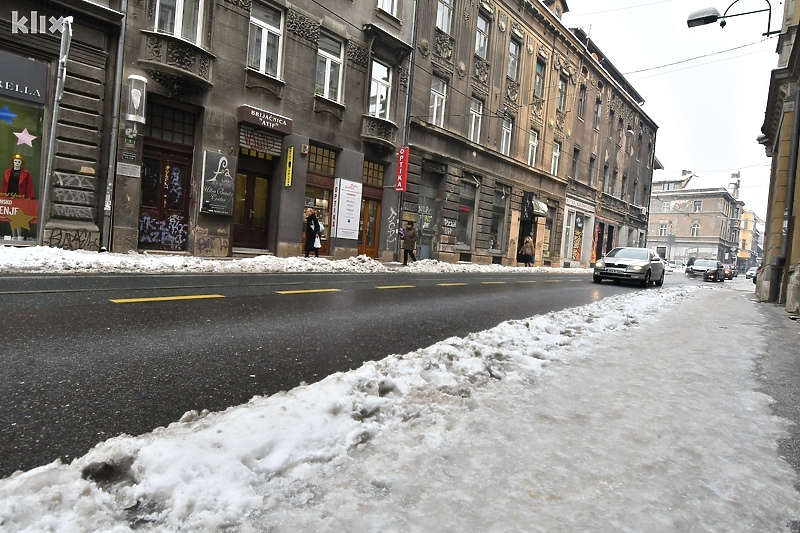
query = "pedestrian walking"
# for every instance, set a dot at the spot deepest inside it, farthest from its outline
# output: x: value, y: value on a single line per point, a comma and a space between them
x: 410, y: 235
x: 312, y: 233
x: 527, y: 251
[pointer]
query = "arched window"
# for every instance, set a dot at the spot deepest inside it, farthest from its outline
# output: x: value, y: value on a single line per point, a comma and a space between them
x: 695, y: 229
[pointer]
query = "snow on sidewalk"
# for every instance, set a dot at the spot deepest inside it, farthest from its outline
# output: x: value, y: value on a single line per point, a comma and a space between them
x: 637, y: 413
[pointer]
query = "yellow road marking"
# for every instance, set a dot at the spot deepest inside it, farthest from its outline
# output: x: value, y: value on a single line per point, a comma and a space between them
x: 552, y: 281
x: 166, y: 298
x: 451, y: 284
x: 530, y: 281
x: 493, y: 282
x: 395, y: 287
x: 307, y: 291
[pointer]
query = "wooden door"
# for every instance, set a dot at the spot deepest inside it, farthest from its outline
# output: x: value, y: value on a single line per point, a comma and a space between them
x: 164, y: 206
x: 250, y: 216
x: 369, y: 228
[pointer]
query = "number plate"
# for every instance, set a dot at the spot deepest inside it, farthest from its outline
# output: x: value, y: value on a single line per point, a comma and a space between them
x: 617, y: 270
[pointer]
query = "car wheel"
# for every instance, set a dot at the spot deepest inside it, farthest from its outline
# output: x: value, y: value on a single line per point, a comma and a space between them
x: 646, y: 280
x: 660, y: 281
x: 597, y: 279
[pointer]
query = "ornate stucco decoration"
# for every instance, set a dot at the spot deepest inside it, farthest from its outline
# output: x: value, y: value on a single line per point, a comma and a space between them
x: 358, y: 55
x: 516, y: 29
x: 501, y: 24
x: 243, y: 4
x: 481, y: 70
x: 512, y: 90
x: 182, y: 68
x: 461, y: 69
x: 302, y: 26
x: 402, y: 74
x: 487, y: 6
x: 444, y: 46
x: 424, y: 47
x: 537, y: 111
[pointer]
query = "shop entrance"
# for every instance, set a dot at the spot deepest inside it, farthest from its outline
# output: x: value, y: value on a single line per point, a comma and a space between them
x: 164, y: 208
x: 250, y: 210
x: 369, y: 227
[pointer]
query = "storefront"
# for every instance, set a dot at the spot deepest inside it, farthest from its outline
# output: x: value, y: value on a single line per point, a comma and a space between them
x: 534, y: 221
x: 22, y: 99
x: 578, y: 219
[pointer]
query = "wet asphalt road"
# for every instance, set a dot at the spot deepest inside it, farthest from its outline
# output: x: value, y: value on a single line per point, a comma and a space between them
x: 79, y: 368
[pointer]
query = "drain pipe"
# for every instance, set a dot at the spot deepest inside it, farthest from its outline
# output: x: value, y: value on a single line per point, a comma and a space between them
x: 111, y: 174
x: 781, y: 264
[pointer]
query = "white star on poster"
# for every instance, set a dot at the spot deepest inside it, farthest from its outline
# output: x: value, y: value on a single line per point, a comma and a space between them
x: 24, y: 137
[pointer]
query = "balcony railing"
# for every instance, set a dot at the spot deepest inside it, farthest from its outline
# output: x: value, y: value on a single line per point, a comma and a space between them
x: 379, y: 135
x: 181, y: 67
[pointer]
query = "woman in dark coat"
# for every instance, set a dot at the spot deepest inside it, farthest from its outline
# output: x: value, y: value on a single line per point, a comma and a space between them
x: 410, y: 236
x: 312, y: 231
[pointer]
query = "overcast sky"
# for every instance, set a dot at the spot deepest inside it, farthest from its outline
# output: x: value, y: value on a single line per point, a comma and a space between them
x: 709, y: 110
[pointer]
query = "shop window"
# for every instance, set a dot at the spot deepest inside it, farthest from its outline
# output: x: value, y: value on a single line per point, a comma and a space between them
x: 181, y: 18
x: 321, y: 160
x: 466, y: 213
x: 266, y: 39
x: 498, y: 228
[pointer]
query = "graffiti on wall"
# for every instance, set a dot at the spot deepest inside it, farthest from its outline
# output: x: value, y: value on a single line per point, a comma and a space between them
x: 208, y: 246
x: 391, y: 226
x: 78, y: 239
x: 170, y: 233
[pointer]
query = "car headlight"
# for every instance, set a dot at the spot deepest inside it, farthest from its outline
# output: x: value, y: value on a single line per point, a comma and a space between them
x: 636, y: 267
x: 600, y: 264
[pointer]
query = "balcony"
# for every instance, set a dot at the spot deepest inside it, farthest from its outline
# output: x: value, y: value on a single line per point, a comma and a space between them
x: 181, y: 67
x: 379, y: 135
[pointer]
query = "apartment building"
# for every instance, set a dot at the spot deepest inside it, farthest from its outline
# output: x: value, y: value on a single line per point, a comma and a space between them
x: 751, y: 250
x: 694, y: 223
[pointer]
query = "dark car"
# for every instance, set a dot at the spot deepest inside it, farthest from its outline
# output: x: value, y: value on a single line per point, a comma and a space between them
x: 630, y: 264
x: 708, y: 269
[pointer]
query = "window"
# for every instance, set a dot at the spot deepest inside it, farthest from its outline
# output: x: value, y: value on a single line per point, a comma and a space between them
x: 605, y: 177
x: 387, y: 6
x: 624, y: 191
x: 592, y: 170
x: 598, y: 113
x: 181, y: 18
x: 380, y: 90
x: 372, y: 174
x: 665, y: 207
x: 513, y: 60
x: 698, y: 206
x: 466, y: 208
x: 266, y: 33
x: 475, y: 115
x: 498, y: 218
x: 576, y: 157
x: 662, y: 230
x: 620, y: 129
x: 329, y: 67
x: 556, y: 157
x: 482, y: 37
x: 438, y: 100
x: 321, y: 160
x: 561, y: 103
x: 533, y: 145
x: 538, y: 80
x: 505, y: 140
x: 695, y: 229
x: 443, y: 15
x: 581, y: 101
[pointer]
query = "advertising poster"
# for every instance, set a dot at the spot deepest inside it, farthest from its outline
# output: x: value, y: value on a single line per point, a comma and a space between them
x: 217, y: 194
x: 346, y: 208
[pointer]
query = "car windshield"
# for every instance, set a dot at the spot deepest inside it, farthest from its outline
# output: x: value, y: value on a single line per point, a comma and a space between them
x: 629, y: 253
x: 705, y: 263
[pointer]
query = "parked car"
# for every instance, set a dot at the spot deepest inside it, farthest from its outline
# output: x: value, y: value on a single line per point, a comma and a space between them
x: 708, y: 269
x: 675, y: 266
x: 751, y: 272
x: 630, y: 264
x: 729, y: 271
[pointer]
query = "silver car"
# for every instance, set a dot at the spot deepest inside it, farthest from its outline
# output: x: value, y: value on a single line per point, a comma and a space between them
x: 630, y: 264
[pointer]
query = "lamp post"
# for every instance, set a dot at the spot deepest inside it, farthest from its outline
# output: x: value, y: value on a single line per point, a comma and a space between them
x: 710, y: 15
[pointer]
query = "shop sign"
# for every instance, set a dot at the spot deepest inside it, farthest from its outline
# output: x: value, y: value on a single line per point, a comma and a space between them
x: 20, y: 212
x: 216, y: 196
x: 22, y: 78
x: 580, y: 205
x: 265, y: 119
x: 401, y: 180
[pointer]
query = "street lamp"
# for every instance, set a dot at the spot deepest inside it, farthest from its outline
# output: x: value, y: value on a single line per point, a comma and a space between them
x: 710, y: 15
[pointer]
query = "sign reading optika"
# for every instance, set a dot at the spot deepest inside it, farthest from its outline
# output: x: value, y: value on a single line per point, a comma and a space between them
x: 22, y: 78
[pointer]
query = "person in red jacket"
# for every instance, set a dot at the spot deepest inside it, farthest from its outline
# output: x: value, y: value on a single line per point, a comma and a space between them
x: 17, y: 181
